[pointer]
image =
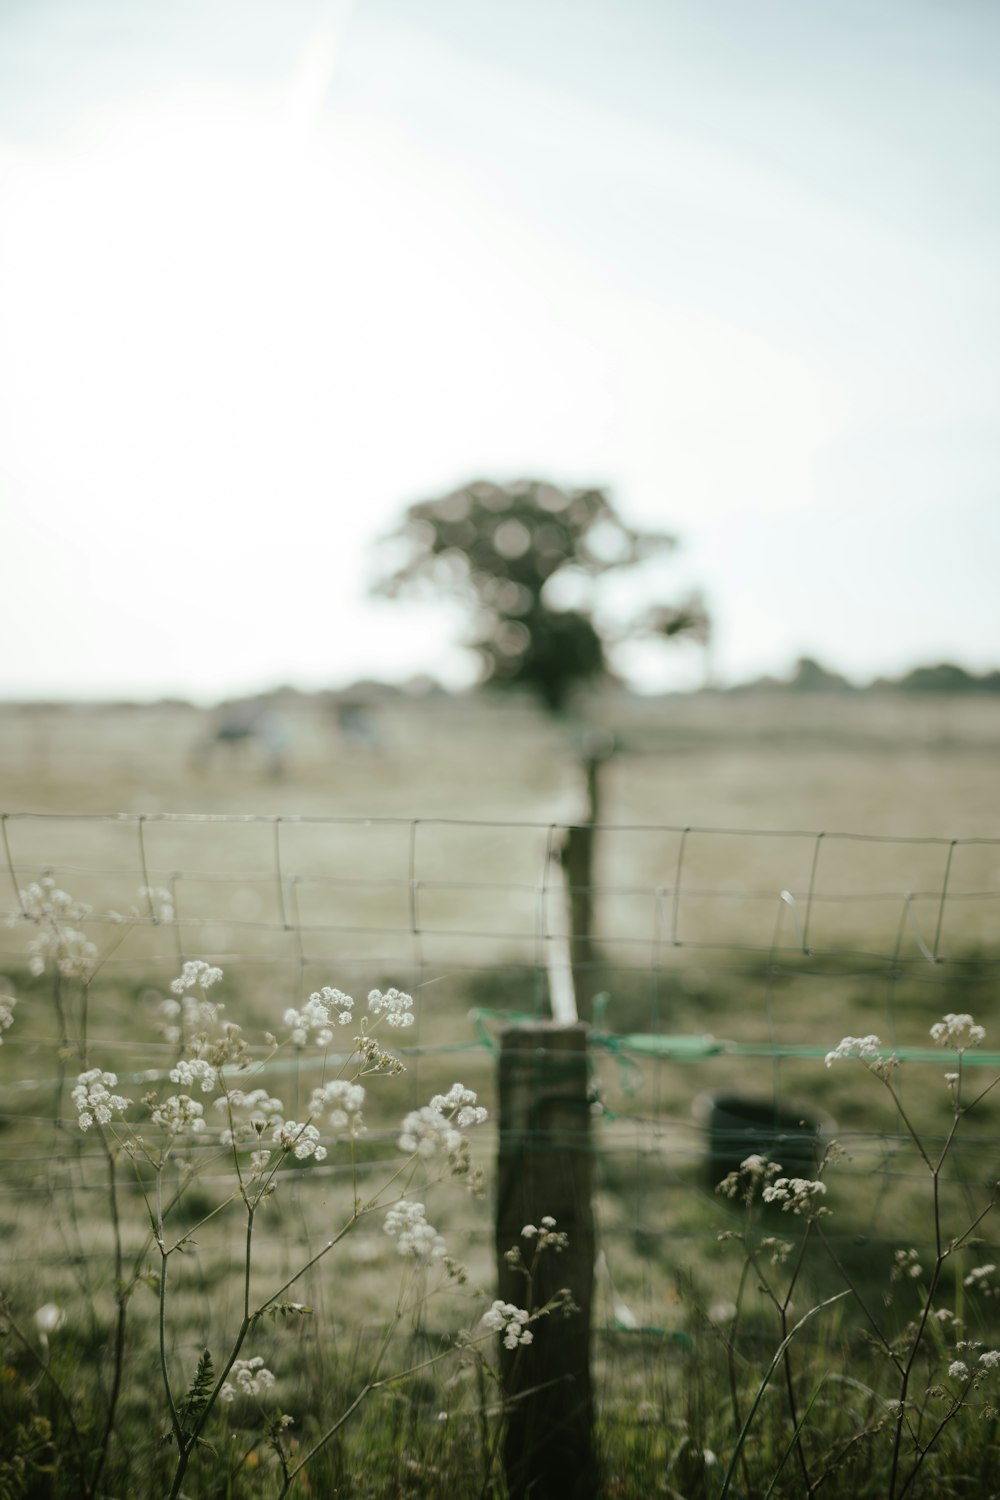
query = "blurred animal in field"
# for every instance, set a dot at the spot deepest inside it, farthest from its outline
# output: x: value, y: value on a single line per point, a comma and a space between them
x: 355, y: 725
x: 245, y: 726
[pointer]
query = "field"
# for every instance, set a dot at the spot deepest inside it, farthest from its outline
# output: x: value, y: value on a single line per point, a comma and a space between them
x: 771, y: 874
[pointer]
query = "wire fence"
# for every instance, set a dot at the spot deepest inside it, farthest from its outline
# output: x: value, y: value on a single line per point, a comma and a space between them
x: 722, y: 959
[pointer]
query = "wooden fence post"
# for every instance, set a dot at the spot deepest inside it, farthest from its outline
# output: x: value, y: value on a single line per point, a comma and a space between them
x: 545, y: 1168
x: 578, y: 864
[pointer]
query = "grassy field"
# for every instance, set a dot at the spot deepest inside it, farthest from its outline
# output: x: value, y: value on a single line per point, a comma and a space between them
x: 422, y: 859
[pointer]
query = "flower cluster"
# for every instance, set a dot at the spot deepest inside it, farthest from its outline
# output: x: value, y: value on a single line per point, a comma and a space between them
x: 796, y: 1194
x: 51, y: 909
x: 344, y: 1102
x: 194, y: 1070
x: 435, y: 1127
x: 7, y: 1003
x: 754, y: 1173
x: 394, y: 1005
x: 177, y: 1115
x: 301, y: 1139
x: 958, y: 1032
x: 187, y: 1016
x: 196, y: 974
x: 249, y: 1377
x: 865, y: 1047
x: 407, y: 1223
x: 509, y: 1321
x: 906, y: 1264
x: 161, y: 902
x: 94, y: 1100
x: 546, y: 1236
x: 978, y: 1280
x: 459, y: 1104
x: 313, y: 1021
x: 250, y: 1114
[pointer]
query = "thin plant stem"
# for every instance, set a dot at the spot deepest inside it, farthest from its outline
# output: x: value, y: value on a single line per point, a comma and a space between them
x: 765, y: 1382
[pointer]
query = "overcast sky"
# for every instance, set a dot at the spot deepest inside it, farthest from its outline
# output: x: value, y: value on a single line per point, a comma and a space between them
x: 271, y: 271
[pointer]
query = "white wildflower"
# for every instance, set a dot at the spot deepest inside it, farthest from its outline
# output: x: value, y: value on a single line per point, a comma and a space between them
x: 161, y: 902
x: 313, y: 1022
x: 459, y: 1104
x: 396, y: 1006
x: 343, y: 1101
x: 958, y: 1370
x: 93, y: 1098
x: 194, y: 1070
x: 302, y: 1140
x: 248, y: 1377
x: 186, y: 1018
x: 196, y: 974
x: 958, y: 1031
x: 754, y: 1172
x: 990, y: 1359
x: 547, y: 1237
x: 796, y: 1194
x: 509, y: 1321
x: 434, y: 1127
x: 43, y: 901
x: 7, y: 1003
x: 865, y: 1047
x: 906, y: 1263
x: 49, y: 1318
x: 407, y: 1223
x: 178, y: 1115
x: 250, y: 1115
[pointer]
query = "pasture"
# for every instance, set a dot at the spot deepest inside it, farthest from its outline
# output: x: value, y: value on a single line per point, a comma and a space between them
x: 772, y: 874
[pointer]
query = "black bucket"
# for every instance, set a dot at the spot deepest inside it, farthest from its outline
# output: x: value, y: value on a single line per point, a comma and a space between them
x: 738, y: 1127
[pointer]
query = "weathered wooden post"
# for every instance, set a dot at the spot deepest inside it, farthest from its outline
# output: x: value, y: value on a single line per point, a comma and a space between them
x: 578, y: 864
x: 545, y: 1168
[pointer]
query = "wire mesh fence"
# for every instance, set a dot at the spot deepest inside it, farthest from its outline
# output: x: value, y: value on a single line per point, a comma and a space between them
x: 723, y: 959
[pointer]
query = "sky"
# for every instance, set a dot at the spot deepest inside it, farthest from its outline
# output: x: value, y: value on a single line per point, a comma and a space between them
x: 270, y: 272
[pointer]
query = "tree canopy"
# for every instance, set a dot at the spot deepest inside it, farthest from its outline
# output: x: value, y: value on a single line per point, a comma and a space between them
x: 508, y: 552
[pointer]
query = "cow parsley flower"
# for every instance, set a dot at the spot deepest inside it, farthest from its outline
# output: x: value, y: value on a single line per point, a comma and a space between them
x: 459, y: 1104
x: 178, y: 1115
x: 979, y: 1280
x: 302, y: 1140
x: 547, y: 1237
x: 161, y: 902
x: 7, y: 1003
x: 435, y: 1127
x: 865, y: 1047
x: 510, y: 1322
x: 93, y: 1098
x: 415, y: 1238
x: 958, y: 1370
x: 188, y: 1016
x: 797, y: 1194
x: 394, y: 1005
x: 990, y: 1359
x: 958, y: 1031
x: 194, y: 1070
x: 754, y: 1172
x: 250, y: 1114
x: 248, y: 1377
x: 313, y: 1021
x: 344, y: 1102
x: 907, y: 1263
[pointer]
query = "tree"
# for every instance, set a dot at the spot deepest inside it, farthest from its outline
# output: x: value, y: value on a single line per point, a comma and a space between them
x: 507, y: 552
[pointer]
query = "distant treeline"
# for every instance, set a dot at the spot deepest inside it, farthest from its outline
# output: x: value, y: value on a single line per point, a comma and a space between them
x: 810, y: 676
